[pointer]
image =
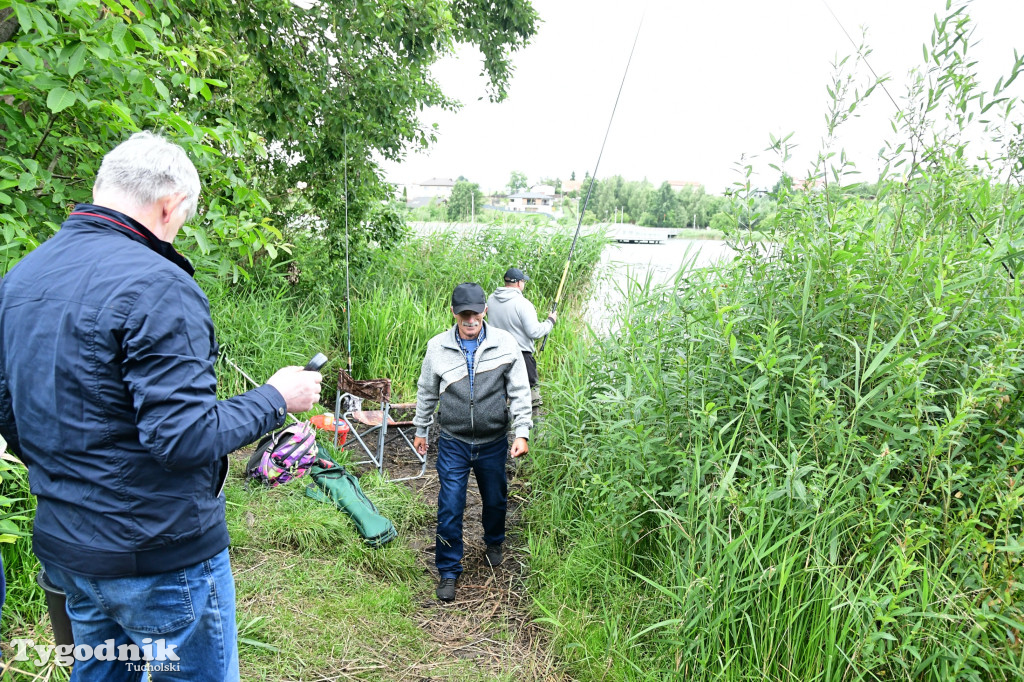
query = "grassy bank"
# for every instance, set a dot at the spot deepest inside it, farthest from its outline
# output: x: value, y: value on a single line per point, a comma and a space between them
x: 399, y: 299
x: 805, y: 464
x: 312, y: 599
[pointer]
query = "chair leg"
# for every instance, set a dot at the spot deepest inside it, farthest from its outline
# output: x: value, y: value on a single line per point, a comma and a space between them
x: 374, y: 454
x: 421, y: 458
x: 337, y: 414
x: 382, y: 437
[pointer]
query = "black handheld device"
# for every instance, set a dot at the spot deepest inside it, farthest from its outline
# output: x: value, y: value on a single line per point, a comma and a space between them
x: 314, y: 365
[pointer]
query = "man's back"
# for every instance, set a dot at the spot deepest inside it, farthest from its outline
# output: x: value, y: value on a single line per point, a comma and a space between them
x: 508, y: 309
x: 107, y: 387
x: 108, y: 394
x: 63, y: 313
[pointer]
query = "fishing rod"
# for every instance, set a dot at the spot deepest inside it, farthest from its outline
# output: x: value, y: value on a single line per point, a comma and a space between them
x: 314, y: 365
x: 348, y: 292
x: 593, y: 179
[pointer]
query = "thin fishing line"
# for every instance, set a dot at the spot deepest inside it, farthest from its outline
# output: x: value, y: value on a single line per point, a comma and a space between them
x: 255, y: 384
x: 857, y: 47
x: 593, y: 177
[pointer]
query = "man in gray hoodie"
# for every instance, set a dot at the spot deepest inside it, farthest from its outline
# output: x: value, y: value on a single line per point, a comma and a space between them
x: 509, y: 310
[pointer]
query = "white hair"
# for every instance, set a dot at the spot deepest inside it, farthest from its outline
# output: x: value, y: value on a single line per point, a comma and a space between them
x: 146, y: 168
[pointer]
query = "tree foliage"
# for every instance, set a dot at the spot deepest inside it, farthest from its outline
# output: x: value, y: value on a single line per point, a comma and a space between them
x: 666, y: 206
x: 466, y: 198
x: 77, y: 78
x: 517, y: 181
x: 283, y: 107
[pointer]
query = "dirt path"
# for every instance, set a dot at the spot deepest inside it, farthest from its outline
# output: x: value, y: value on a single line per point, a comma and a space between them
x: 489, y: 623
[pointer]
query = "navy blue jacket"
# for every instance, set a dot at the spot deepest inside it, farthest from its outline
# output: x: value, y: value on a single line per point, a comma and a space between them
x: 108, y: 395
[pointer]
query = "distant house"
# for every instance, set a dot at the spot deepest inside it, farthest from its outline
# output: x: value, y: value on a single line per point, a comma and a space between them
x: 571, y: 186
x: 531, y: 202
x: 809, y: 184
x: 439, y: 188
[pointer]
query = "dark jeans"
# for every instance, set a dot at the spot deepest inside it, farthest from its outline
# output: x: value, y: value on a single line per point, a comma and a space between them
x: 531, y: 367
x: 454, y: 461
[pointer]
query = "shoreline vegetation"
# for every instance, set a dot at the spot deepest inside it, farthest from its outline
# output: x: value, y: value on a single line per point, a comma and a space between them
x: 801, y: 463
x: 490, y: 220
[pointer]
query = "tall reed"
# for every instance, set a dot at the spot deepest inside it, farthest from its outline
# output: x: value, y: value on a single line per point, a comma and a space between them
x: 803, y: 465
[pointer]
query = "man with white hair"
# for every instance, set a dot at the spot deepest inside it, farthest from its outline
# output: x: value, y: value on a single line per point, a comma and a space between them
x: 108, y: 395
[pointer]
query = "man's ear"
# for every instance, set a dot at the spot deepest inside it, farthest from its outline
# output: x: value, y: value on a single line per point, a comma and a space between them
x: 171, y: 206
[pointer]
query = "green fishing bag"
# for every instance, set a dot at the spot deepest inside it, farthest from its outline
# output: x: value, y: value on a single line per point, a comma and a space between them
x: 333, y: 484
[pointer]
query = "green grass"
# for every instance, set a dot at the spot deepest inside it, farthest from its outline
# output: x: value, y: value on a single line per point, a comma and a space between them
x: 313, y: 600
x: 312, y: 597
x: 801, y: 468
x: 399, y: 299
x: 17, y: 508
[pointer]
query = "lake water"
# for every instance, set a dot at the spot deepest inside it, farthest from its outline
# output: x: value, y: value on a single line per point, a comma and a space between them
x: 621, y: 263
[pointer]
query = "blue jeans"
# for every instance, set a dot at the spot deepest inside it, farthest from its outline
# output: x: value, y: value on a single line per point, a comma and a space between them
x: 455, y: 459
x: 191, y: 609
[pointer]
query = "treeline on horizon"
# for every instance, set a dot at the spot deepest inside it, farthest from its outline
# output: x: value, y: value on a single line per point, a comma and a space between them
x: 640, y: 202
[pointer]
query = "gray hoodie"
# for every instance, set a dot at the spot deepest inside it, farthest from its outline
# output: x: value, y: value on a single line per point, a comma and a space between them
x: 508, y: 309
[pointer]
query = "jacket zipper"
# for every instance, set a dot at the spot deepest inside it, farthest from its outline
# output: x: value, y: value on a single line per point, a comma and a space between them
x: 472, y: 379
x: 472, y: 391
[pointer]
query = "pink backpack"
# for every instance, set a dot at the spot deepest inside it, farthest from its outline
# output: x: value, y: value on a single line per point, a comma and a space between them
x: 284, y: 455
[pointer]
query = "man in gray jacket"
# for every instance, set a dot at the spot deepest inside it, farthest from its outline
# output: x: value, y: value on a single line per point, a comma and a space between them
x: 473, y: 370
x: 512, y: 312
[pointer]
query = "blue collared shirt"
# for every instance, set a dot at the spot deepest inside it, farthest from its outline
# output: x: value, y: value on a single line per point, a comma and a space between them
x: 469, y: 347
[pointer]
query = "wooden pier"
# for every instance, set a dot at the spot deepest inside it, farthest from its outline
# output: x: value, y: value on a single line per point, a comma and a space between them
x: 633, y: 234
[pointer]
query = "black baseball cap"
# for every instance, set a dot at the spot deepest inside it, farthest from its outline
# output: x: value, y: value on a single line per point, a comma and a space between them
x: 516, y: 275
x: 468, y: 296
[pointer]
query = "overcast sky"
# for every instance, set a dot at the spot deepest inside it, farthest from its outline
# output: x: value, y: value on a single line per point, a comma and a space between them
x: 708, y: 83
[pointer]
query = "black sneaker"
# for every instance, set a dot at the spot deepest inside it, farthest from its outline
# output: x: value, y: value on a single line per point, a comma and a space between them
x: 493, y: 555
x: 446, y: 589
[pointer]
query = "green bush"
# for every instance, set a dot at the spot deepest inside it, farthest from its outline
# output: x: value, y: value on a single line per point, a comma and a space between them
x: 814, y: 454
x: 723, y: 222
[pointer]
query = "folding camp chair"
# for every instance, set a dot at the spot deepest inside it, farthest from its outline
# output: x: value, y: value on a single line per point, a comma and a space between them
x: 382, y: 422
